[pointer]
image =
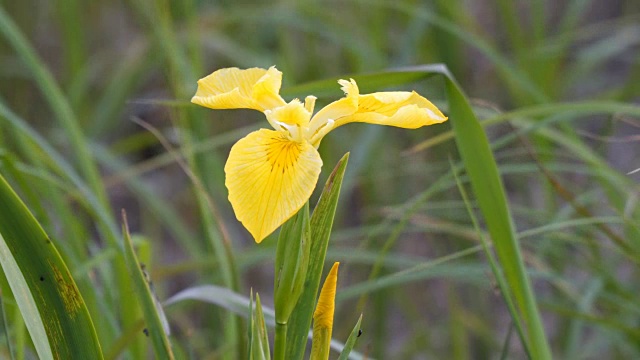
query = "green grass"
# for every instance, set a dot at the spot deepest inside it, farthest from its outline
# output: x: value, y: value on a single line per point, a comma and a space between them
x: 540, y: 256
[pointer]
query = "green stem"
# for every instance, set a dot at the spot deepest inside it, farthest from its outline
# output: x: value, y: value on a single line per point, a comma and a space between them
x: 280, y: 342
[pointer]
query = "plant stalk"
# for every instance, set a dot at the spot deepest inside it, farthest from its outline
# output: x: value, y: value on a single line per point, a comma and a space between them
x: 280, y: 342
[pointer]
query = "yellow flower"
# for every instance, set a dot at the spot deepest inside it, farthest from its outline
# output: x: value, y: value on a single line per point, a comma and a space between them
x: 270, y: 174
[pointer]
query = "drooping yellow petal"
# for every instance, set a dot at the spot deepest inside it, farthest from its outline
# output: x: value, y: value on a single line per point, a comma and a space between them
x: 323, y: 316
x: 396, y: 108
x: 233, y: 88
x: 269, y: 178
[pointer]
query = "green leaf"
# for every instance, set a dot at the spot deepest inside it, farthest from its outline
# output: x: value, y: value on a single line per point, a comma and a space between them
x: 321, y: 224
x: 151, y: 308
x: 351, y: 341
x: 259, y: 340
x: 292, y: 261
x: 499, y: 277
x: 54, y: 311
x: 481, y: 167
x: 220, y: 296
x: 250, y: 326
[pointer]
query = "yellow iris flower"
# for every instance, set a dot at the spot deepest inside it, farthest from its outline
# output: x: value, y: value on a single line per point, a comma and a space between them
x: 270, y: 174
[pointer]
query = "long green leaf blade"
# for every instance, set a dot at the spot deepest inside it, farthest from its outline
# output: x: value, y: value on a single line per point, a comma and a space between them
x: 487, y: 186
x: 25, y: 301
x: 150, y: 307
x: 38, y: 275
x: 321, y: 224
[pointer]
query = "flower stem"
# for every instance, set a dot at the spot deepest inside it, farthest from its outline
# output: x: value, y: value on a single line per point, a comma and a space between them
x: 280, y: 342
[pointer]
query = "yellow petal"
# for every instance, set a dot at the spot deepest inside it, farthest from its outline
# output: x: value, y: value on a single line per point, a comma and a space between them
x: 233, y: 88
x: 398, y: 108
x: 269, y: 179
x: 293, y: 113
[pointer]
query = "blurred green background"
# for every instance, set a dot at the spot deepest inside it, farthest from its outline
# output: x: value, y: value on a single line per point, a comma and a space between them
x: 556, y: 82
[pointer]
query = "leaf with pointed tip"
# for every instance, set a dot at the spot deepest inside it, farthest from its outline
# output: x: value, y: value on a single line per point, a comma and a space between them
x: 321, y: 224
x: 351, y: 341
x: 151, y: 308
x: 259, y: 340
x: 47, y: 296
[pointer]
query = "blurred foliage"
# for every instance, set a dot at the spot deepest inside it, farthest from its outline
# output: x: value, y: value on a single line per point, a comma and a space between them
x: 557, y: 84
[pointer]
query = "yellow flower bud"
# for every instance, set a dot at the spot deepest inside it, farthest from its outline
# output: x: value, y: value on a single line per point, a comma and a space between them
x: 323, y: 316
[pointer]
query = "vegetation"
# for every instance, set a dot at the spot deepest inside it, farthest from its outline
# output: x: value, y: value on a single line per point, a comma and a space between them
x: 509, y: 231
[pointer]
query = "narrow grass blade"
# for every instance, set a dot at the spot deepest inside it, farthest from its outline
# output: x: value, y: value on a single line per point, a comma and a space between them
x: 182, y: 70
x: 151, y: 309
x: 575, y: 108
x: 321, y: 224
x: 504, y: 354
x: 53, y: 308
x: 250, y: 327
x: 222, y: 297
x: 58, y: 103
x: 58, y: 162
x: 351, y: 341
x: 460, y: 272
x: 499, y: 276
x: 485, y: 179
x: 4, y: 328
x: 47, y: 155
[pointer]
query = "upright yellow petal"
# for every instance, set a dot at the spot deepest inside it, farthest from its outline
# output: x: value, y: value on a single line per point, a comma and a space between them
x: 294, y: 113
x: 269, y: 179
x: 323, y: 121
x: 233, y: 88
x: 323, y: 316
x: 397, y: 108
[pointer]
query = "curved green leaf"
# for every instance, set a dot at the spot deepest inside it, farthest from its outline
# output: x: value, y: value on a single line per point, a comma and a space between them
x: 53, y: 308
x: 481, y: 167
x: 151, y: 308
